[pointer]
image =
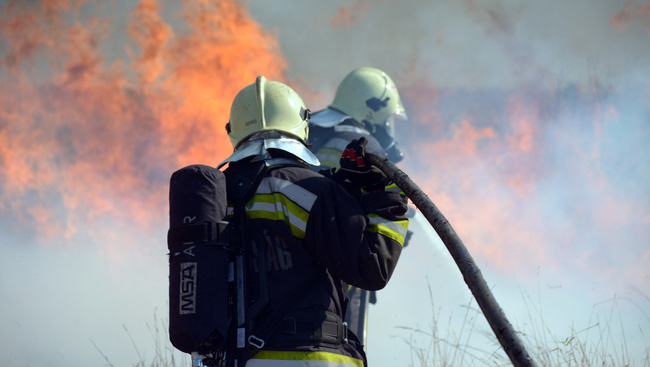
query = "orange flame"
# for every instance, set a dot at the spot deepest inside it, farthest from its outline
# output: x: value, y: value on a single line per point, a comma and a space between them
x: 87, y: 141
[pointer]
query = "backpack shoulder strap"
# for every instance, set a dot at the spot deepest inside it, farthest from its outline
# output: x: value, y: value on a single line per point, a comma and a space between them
x: 241, y: 182
x: 241, y: 185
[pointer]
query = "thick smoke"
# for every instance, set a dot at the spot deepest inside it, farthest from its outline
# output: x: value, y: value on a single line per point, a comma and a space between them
x: 528, y: 129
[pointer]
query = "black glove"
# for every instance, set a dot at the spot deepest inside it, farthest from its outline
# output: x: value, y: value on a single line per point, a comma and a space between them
x: 355, y: 169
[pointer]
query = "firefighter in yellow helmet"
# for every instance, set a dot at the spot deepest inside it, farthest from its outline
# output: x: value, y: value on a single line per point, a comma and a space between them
x: 305, y: 237
x: 366, y: 104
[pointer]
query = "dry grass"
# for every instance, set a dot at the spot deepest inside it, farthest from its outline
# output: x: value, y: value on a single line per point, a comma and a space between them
x: 601, y: 343
x: 165, y: 354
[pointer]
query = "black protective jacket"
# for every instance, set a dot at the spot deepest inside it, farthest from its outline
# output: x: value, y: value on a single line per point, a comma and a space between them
x: 314, y: 230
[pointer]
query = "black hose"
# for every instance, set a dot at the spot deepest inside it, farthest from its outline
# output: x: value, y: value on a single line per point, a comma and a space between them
x: 500, y: 325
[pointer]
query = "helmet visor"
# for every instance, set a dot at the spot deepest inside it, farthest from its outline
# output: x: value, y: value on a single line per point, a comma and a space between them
x: 391, y: 120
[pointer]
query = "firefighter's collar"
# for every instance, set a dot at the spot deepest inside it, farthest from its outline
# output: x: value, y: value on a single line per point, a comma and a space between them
x: 328, y: 117
x: 259, y: 149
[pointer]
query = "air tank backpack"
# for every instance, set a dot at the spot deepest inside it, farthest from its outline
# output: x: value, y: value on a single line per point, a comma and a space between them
x: 208, y: 307
x: 210, y: 312
x: 199, y: 258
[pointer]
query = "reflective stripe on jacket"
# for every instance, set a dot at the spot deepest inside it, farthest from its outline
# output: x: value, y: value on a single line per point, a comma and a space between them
x: 280, y: 200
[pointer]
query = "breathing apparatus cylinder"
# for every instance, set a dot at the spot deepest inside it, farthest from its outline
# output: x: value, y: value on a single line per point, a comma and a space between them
x: 198, y: 258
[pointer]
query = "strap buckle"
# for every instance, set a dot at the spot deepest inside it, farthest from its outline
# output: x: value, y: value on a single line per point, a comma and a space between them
x: 256, y: 342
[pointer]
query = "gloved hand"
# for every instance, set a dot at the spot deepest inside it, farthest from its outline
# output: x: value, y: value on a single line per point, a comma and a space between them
x: 355, y: 169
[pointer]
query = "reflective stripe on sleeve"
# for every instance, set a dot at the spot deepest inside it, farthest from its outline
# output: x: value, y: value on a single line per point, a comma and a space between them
x: 394, y: 188
x: 303, y: 197
x: 395, y: 230
x: 267, y: 358
x: 278, y: 207
x: 281, y: 200
x: 329, y: 157
x: 330, y: 154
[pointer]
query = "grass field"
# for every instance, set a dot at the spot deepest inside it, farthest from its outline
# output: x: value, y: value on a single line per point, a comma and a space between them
x: 603, y: 342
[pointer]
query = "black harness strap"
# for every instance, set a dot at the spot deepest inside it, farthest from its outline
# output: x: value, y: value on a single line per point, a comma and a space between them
x: 310, y: 327
x: 273, y: 322
x: 241, y: 184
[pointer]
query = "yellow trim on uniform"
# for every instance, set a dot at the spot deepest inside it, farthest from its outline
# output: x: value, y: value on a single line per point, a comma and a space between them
x: 278, y: 198
x: 276, y: 206
x: 383, y: 227
x: 394, y: 188
x: 308, y: 356
x: 329, y: 157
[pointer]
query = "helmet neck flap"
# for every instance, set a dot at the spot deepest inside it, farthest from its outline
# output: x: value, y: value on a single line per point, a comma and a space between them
x: 261, y: 146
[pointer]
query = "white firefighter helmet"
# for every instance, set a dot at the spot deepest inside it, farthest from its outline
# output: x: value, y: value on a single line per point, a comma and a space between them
x: 267, y: 105
x: 369, y: 96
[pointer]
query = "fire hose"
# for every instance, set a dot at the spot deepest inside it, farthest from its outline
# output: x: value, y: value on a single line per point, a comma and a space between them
x: 495, y: 316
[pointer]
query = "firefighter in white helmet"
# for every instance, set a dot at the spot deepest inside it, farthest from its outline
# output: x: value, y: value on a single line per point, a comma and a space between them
x: 366, y: 104
x: 308, y: 237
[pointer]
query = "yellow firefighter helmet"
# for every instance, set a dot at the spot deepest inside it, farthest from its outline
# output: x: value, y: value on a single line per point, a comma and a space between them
x: 267, y: 105
x: 369, y: 96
